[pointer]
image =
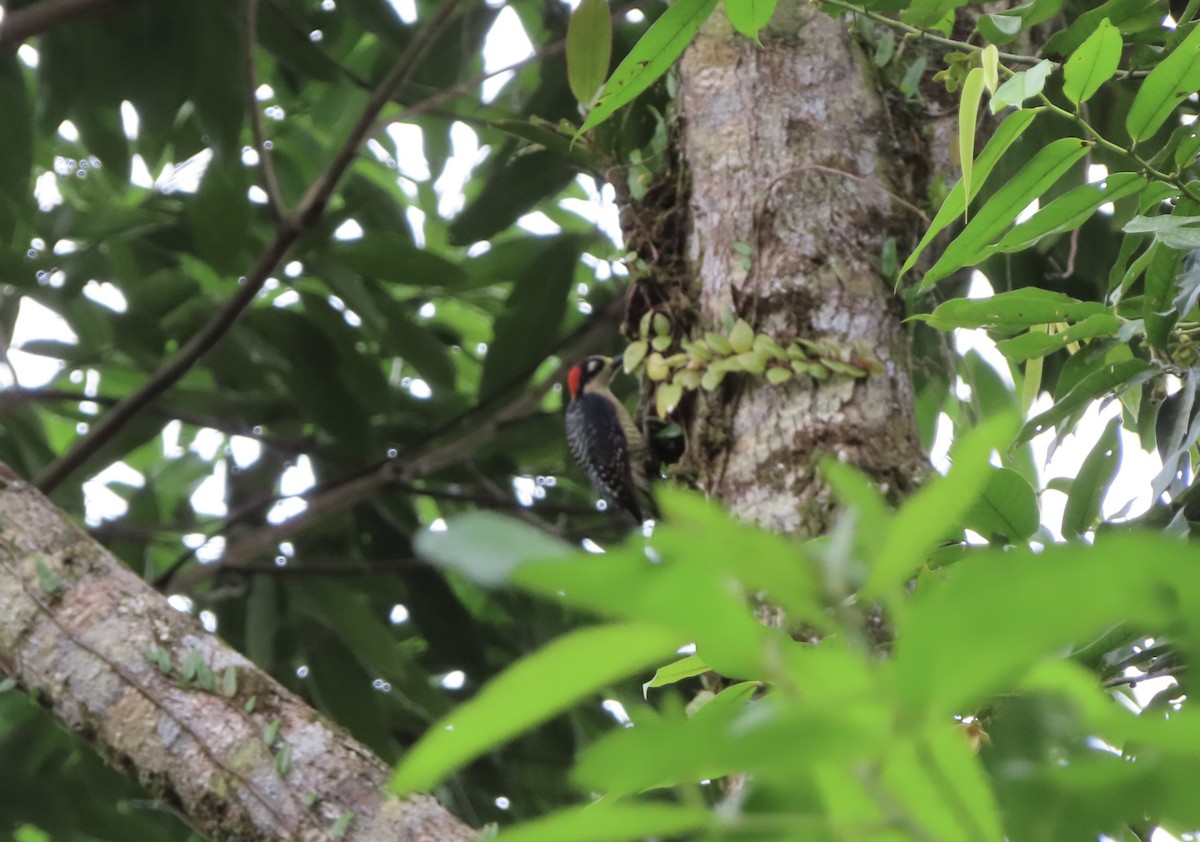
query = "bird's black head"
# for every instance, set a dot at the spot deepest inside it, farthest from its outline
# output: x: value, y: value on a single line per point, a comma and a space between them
x: 590, y: 371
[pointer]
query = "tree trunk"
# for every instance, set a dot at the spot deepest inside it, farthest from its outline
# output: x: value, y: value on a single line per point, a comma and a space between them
x: 797, y: 163
x: 201, y: 727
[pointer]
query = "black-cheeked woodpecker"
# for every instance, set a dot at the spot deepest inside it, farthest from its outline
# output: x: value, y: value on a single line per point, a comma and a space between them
x: 604, y: 439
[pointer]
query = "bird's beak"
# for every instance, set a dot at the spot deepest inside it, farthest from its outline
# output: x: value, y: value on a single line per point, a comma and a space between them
x: 617, y: 364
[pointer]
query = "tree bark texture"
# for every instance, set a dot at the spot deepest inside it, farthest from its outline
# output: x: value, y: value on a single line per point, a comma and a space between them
x: 799, y: 174
x: 200, y: 726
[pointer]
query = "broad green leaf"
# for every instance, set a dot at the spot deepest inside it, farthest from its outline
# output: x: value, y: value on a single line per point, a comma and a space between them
x: 1028, y: 184
x: 1070, y: 210
x: 956, y: 203
x: 1093, y: 64
x: 968, y: 114
x: 934, y: 778
x: 1159, y: 224
x: 1176, y: 232
x: 749, y: 16
x: 921, y: 523
x: 613, y: 822
x: 589, y: 48
x: 1039, y: 343
x: 1187, y: 150
x: 1011, y: 310
x: 650, y: 58
x: 927, y: 13
x: 687, y: 667
x: 999, y: 28
x: 1161, y: 287
x: 16, y: 141
x: 535, y: 688
x: 219, y: 216
x: 1108, y: 378
x: 514, y: 187
x: 1092, y: 482
x: 1007, y: 507
x: 959, y: 640
x: 1129, y: 16
x: 486, y: 547
x: 1174, y: 79
x: 1022, y: 85
x: 681, y: 592
x: 393, y: 258
x: 527, y: 329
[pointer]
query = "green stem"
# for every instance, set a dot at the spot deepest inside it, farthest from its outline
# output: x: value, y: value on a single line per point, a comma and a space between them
x: 918, y: 32
x: 1100, y: 140
x: 1193, y: 6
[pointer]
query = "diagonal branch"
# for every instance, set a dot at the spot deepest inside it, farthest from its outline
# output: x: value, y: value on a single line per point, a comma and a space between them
x: 288, y: 231
x: 28, y: 21
x: 262, y: 147
x: 450, y: 445
x: 72, y: 609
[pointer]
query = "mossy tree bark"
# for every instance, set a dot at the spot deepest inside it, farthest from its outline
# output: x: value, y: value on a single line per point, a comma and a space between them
x: 800, y: 173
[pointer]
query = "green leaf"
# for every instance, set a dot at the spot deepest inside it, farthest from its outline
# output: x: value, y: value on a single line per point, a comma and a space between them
x: 650, y: 58
x: 1161, y: 286
x: 1039, y: 343
x: 486, y: 547
x: 219, y: 216
x: 528, y: 327
x: 16, y: 141
x: 1174, y: 79
x: 1021, y: 86
x: 921, y: 523
x: 613, y: 822
x: 999, y: 28
x: 1110, y: 377
x: 968, y: 115
x: 679, y: 670
x: 959, y: 640
x: 1173, y: 231
x: 393, y: 258
x: 515, y: 187
x: 1007, y: 507
x: 589, y: 48
x: 955, y: 204
x: 1092, y: 482
x: 1070, y: 210
x: 1093, y: 64
x: 1035, y: 177
x: 928, y: 13
x: 535, y: 688
x: 1129, y: 16
x: 1011, y: 310
x: 989, y: 62
x: 749, y: 16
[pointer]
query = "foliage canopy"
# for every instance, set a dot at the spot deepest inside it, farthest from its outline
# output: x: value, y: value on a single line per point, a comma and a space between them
x: 404, y: 355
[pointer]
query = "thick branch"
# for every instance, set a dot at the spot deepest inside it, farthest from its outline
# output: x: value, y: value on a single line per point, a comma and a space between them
x: 28, y: 21
x: 103, y: 651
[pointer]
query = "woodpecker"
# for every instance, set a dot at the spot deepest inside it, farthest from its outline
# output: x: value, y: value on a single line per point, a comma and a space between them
x: 605, y: 441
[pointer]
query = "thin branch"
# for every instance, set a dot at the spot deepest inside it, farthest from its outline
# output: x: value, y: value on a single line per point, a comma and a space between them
x: 287, y: 232
x: 266, y: 163
x: 1131, y: 680
x: 28, y: 21
x: 331, y: 571
x: 423, y: 459
x: 168, y: 374
x: 319, y: 192
x: 926, y: 35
